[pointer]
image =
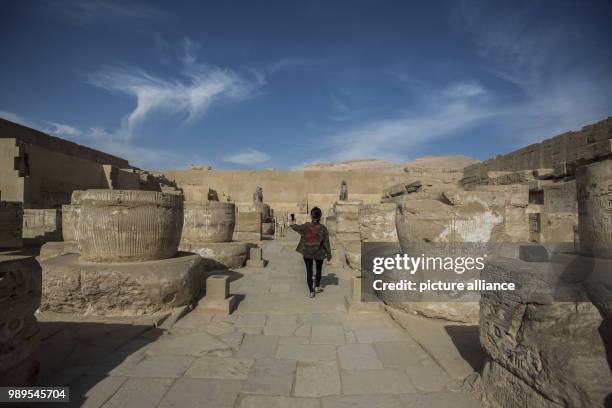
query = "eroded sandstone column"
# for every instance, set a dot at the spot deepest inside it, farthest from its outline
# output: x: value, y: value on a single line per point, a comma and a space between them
x: 129, y: 225
x: 213, y: 221
x: 594, y: 186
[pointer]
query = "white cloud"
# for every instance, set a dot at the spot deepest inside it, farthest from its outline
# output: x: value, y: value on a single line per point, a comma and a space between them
x: 13, y: 117
x: 191, y: 97
x: 247, y: 157
x: 464, y: 90
x: 63, y: 130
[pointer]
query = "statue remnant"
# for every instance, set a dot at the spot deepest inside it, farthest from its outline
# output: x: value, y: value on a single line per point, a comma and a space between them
x: 258, y: 195
x: 343, y: 191
x: 212, y: 195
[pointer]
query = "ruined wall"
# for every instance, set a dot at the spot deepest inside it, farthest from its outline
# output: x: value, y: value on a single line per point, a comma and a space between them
x: 42, y: 171
x: 295, y: 186
x: 588, y: 144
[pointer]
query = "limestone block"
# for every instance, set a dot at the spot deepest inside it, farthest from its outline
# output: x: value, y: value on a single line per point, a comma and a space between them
x: 127, y: 225
x: 255, y: 258
x: 20, y: 293
x: 267, y: 228
x: 212, y: 221
x: 247, y: 236
x: 377, y: 222
x: 557, y: 227
x: 52, y: 249
x: 11, y: 224
x: 255, y: 254
x: 594, y: 186
x: 248, y: 222
x: 216, y: 255
x: 560, y: 197
x: 69, y: 221
x: 538, y: 347
x: 218, y: 297
x: 41, y: 225
x: 73, y: 285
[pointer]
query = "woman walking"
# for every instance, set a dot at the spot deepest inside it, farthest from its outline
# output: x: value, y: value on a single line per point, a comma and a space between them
x: 314, y: 247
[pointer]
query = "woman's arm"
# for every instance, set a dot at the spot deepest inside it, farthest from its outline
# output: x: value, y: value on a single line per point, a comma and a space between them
x: 299, y: 228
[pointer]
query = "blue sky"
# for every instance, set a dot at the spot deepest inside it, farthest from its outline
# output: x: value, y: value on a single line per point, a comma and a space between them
x: 281, y: 84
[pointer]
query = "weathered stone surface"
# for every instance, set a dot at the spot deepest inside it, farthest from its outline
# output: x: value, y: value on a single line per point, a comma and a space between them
x: 258, y: 346
x: 594, y: 185
x: 377, y: 222
x: 41, y: 225
x: 53, y: 249
x: 264, y: 401
x: 364, y: 401
x: 20, y: 293
x: 217, y: 255
x: 69, y: 221
x: 126, y: 225
x: 360, y: 382
x: 541, y: 352
x: 267, y: 228
x: 327, y: 334
x: 11, y: 224
x: 248, y: 226
x: 221, y: 368
x: 271, y: 377
x: 306, y: 352
x: 317, y: 379
x: 209, y: 222
x: 76, y: 286
x: 358, y: 357
x: 140, y: 392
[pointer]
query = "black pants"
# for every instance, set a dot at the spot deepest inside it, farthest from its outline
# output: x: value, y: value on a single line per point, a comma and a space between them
x: 308, y: 262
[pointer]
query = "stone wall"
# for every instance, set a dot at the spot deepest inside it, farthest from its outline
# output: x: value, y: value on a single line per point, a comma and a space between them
x: 11, y: 224
x: 561, y: 152
x: 41, y: 171
x: 296, y: 186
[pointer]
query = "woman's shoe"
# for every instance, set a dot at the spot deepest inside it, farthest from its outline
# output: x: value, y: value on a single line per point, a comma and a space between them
x: 318, y: 289
x: 312, y: 294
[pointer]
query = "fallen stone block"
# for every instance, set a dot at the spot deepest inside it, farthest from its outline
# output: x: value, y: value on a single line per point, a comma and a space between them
x: 53, y: 249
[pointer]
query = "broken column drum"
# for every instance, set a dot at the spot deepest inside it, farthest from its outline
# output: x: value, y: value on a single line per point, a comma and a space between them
x: 594, y: 186
x: 209, y: 222
x: 129, y: 225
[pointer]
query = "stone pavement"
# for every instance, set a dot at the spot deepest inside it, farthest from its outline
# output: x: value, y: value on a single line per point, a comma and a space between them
x: 278, y: 349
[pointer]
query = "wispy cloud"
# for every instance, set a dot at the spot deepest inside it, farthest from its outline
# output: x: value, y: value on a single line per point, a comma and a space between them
x: 85, y: 11
x: 391, y: 139
x: 63, y: 130
x: 196, y: 87
x: 13, y: 117
x: 247, y: 157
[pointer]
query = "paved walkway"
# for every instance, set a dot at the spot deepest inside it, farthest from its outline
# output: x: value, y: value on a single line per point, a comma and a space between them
x: 279, y: 349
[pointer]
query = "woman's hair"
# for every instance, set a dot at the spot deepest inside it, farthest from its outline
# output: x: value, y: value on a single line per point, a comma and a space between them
x: 316, y: 213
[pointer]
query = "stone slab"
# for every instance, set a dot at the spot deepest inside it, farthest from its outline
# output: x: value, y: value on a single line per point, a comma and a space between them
x: 396, y: 354
x: 219, y: 254
x: 223, y: 368
x: 194, y: 344
x: 429, y: 378
x: 191, y: 392
x: 360, y: 382
x: 161, y: 366
x: 440, y: 399
x: 317, y: 379
x: 264, y: 401
x: 375, y: 334
x: 358, y: 357
x: 258, y: 346
x: 327, y: 334
x: 306, y: 352
x: 140, y: 393
x: 366, y: 401
x: 52, y: 249
x: 271, y: 377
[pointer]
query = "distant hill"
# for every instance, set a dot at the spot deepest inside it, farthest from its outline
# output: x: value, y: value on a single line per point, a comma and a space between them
x: 429, y: 162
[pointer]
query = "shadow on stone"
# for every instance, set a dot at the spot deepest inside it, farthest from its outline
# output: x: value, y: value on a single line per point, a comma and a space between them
x: 466, y: 339
x: 81, y: 354
x: 329, y: 279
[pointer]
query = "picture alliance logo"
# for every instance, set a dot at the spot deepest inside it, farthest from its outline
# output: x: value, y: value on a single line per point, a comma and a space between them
x: 410, y: 264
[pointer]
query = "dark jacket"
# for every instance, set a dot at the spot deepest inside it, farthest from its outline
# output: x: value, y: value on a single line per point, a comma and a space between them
x: 314, y: 240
